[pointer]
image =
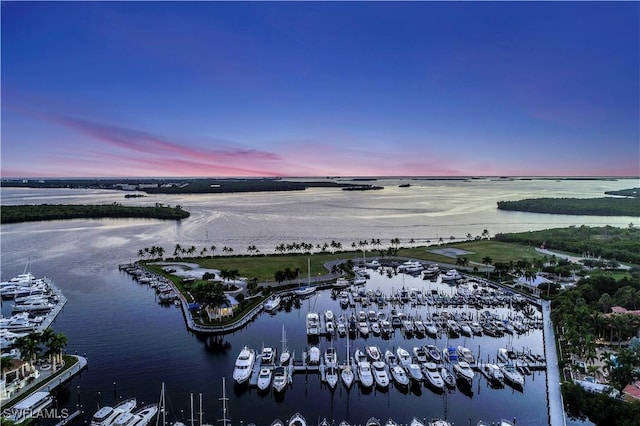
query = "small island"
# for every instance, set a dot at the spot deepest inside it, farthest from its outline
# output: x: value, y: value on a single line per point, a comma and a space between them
x: 31, y: 213
x: 603, y: 206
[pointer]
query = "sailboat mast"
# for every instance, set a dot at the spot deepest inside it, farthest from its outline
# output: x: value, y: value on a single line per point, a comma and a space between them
x: 200, y: 413
x: 192, y: 419
x: 224, y: 400
x: 309, y: 271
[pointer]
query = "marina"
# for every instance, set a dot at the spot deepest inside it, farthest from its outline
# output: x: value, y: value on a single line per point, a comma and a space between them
x: 116, y: 321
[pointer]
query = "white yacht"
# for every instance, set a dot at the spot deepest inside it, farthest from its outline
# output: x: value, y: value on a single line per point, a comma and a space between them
x: 313, y: 324
x: 463, y: 370
x: 494, y: 373
x: 399, y: 375
x: 146, y: 414
x: 244, y: 365
x: 341, y: 283
x: 346, y: 373
x: 264, y: 378
x: 431, y: 373
x: 512, y: 375
x: 365, y: 374
x: 451, y: 275
x: 268, y: 355
x: 272, y: 303
x: 106, y: 415
x: 415, y: 372
x: 404, y: 357
x: 331, y: 376
x: 380, y: 374
x: 465, y: 354
x: 447, y: 376
x: 280, y: 379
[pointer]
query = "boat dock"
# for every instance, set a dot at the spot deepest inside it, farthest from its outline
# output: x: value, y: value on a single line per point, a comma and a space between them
x: 50, y: 316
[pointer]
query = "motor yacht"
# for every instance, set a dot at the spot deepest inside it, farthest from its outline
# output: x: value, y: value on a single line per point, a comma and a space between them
x: 399, y: 375
x: 264, y: 378
x: 272, y: 303
x: 280, y: 379
x: 365, y: 374
x: 380, y: 374
x: 431, y: 373
x: 244, y: 365
x: 106, y: 415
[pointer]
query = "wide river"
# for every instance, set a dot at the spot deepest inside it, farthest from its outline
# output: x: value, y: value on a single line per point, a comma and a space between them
x: 134, y: 344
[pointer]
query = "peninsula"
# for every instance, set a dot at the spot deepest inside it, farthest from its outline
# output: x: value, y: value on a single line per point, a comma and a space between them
x: 31, y: 213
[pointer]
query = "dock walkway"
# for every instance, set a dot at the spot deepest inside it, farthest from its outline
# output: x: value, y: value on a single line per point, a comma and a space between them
x: 554, y: 396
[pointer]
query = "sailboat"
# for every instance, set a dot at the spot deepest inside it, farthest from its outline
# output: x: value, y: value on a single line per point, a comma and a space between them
x: 308, y: 289
x: 225, y: 421
x: 347, y: 372
x: 285, y: 355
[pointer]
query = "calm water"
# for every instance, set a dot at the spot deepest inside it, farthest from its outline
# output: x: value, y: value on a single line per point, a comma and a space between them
x: 133, y: 344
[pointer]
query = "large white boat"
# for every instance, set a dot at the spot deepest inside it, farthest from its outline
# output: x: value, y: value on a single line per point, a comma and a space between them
x: 464, y: 370
x: 264, y: 378
x: 431, y: 373
x: 465, y: 354
x: 512, y: 375
x: 33, y: 306
x: 141, y: 417
x: 451, y: 275
x: 347, y: 376
x: 380, y: 374
x: 106, y: 415
x: 341, y: 283
x: 313, y: 324
x: 145, y: 414
x: 331, y: 376
x: 272, y: 303
x: 364, y: 374
x: 244, y: 365
x: 494, y: 373
x: 399, y: 375
x: 404, y: 357
x: 280, y: 379
x: 415, y: 372
x: 30, y: 407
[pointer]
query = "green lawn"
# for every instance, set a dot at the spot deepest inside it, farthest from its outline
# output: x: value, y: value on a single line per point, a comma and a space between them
x: 264, y: 267
x: 498, y: 251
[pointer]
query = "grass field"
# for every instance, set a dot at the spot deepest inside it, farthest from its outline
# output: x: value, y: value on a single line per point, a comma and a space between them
x: 264, y: 267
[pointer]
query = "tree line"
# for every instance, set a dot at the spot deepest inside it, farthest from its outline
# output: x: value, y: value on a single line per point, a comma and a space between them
x: 621, y: 244
x: 33, y: 345
x: 603, y: 206
x: 30, y: 213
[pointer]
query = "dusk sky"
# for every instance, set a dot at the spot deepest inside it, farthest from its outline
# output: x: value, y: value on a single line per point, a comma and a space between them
x: 320, y: 89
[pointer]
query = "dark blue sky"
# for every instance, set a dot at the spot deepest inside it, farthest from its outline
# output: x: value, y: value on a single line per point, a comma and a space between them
x: 326, y: 88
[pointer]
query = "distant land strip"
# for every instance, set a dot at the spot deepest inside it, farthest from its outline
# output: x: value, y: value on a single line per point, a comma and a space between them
x: 31, y: 213
x: 604, y: 206
x: 633, y: 192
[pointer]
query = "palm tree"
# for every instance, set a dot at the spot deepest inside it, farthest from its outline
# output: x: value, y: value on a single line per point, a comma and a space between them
x: 28, y: 346
x: 487, y: 261
x: 57, y: 344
